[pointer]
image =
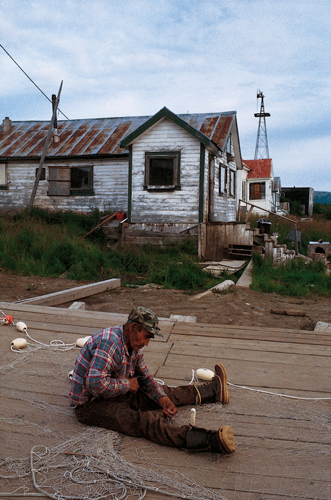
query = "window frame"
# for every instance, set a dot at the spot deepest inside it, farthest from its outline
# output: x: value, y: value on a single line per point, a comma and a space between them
x: 262, y: 191
x: 42, y: 175
x: 60, y: 181
x: 232, y: 182
x: 84, y: 190
x: 223, y: 179
x: 176, y: 156
x: 3, y: 176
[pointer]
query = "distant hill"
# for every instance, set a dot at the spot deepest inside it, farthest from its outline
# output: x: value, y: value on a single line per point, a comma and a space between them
x: 322, y: 197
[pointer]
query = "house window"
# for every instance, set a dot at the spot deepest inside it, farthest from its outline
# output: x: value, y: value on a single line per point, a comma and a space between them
x: 232, y: 187
x: 228, y: 147
x: 71, y: 181
x: 223, y: 179
x: 42, y: 175
x: 257, y: 191
x: 81, y: 178
x: 162, y: 171
x: 3, y: 176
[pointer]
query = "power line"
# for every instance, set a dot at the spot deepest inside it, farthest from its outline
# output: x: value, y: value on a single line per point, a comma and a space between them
x: 31, y: 80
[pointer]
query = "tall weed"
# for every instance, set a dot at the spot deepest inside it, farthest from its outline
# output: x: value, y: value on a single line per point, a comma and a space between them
x: 40, y: 243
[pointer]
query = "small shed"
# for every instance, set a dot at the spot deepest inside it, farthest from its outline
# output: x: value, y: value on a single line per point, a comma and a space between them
x: 302, y: 195
x: 319, y: 250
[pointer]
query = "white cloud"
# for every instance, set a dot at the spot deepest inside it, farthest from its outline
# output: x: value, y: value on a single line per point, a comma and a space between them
x: 130, y: 57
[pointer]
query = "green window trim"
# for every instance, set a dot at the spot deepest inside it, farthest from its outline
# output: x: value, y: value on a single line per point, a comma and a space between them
x: 130, y: 185
x: 201, y: 181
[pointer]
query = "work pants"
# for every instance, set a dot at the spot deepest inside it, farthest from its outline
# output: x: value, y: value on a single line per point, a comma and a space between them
x: 137, y: 415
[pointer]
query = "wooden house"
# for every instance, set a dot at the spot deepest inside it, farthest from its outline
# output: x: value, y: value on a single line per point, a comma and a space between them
x: 170, y: 173
x: 260, y: 187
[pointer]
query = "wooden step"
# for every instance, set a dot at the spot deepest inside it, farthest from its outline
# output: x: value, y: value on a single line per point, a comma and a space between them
x: 240, y: 251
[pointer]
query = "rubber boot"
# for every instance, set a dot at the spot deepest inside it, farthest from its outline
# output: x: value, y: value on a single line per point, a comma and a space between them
x: 215, y: 391
x: 221, y: 441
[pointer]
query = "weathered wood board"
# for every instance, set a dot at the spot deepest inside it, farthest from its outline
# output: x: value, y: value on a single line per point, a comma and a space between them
x: 72, y: 294
x: 275, y: 437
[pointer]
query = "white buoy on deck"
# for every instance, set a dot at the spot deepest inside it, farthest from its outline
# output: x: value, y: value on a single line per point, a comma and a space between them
x: 81, y: 342
x: 205, y: 374
x: 21, y: 327
x: 18, y: 343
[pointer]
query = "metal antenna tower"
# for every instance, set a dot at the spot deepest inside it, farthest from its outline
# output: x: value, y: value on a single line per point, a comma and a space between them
x: 261, y: 148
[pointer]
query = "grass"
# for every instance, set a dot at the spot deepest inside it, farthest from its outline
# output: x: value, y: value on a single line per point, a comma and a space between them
x: 38, y: 242
x: 294, y: 278
x: 41, y: 243
x: 311, y: 229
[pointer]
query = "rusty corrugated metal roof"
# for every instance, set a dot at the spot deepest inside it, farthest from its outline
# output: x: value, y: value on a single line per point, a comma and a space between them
x: 101, y: 136
x: 260, y: 169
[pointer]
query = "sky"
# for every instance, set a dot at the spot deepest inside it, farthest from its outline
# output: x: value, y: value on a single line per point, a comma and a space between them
x: 132, y: 57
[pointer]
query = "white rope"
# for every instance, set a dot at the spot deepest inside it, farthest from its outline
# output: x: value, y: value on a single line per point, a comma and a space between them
x: 276, y: 393
x: 54, y: 344
x: 59, y: 344
x: 194, y: 378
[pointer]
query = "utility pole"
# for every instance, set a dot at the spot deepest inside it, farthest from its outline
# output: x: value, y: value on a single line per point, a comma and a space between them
x: 55, y: 104
x: 261, y: 148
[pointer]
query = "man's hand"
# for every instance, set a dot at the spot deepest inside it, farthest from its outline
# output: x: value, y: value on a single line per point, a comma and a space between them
x: 134, y: 386
x: 169, y: 409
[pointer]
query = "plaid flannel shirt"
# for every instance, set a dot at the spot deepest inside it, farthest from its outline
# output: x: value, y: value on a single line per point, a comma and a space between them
x: 104, y: 365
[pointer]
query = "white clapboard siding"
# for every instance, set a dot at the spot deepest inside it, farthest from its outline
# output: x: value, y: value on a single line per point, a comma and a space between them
x: 110, y: 186
x: 267, y: 202
x: 223, y: 203
x: 166, y: 206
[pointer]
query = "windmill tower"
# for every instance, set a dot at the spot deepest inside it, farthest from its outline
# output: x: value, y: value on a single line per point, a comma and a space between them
x: 261, y: 148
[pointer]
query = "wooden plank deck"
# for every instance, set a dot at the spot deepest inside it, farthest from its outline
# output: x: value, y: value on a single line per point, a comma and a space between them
x: 283, y: 444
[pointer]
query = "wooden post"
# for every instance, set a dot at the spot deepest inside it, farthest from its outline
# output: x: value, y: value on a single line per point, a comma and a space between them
x: 296, y: 249
x: 43, y: 155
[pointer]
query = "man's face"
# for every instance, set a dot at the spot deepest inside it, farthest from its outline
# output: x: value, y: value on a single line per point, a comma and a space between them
x: 139, y: 339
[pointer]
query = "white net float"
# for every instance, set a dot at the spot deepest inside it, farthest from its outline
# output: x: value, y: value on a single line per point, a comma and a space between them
x: 21, y: 327
x: 205, y: 374
x: 193, y: 414
x: 19, y: 343
x: 81, y: 342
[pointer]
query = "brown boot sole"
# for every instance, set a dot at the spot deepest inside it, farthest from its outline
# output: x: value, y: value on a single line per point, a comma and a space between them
x: 226, y: 436
x: 220, y: 372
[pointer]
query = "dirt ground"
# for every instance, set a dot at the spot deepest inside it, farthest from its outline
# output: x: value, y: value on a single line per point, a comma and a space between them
x: 239, y: 306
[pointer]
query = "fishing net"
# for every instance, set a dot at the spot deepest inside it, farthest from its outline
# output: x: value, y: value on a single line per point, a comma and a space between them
x: 282, y: 444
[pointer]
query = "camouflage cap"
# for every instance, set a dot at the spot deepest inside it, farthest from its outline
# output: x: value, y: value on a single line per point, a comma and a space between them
x: 146, y: 318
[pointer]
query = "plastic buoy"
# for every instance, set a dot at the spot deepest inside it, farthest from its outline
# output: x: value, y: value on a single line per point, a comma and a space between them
x: 205, y: 374
x: 21, y: 326
x: 81, y: 342
x: 19, y: 343
x: 8, y: 319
